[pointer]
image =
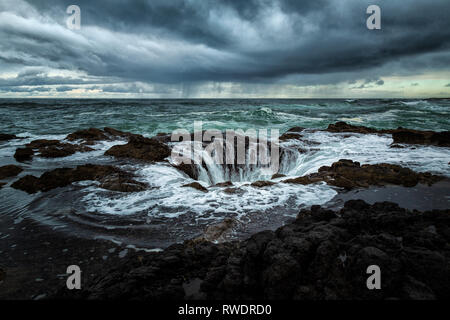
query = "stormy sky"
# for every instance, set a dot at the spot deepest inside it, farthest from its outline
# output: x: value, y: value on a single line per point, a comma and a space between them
x: 225, y: 49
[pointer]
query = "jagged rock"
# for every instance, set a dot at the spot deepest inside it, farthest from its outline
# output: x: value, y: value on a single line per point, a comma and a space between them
x: 88, y: 136
x: 9, y: 171
x: 120, y: 183
x: 345, y: 127
x: 293, y: 133
x: 321, y: 255
x: 189, y: 169
x: 261, y: 184
x: 62, y: 177
x: 399, y: 135
x: 23, y: 154
x: 349, y: 175
x: 55, y: 148
x: 6, y: 137
x: 217, y: 232
x: 305, y: 180
x: 233, y: 190
x: 140, y: 148
x: 440, y: 139
x: 196, y: 185
x: 224, y: 184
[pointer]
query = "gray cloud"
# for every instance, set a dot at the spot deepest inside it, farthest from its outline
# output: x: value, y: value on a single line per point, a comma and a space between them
x: 123, y: 45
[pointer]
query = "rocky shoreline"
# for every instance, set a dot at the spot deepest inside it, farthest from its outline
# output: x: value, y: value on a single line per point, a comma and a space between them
x: 323, y: 254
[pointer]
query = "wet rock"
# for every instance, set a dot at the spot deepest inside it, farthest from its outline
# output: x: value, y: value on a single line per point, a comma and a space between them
x: 305, y: 180
x: 6, y: 137
x: 289, y: 136
x: 110, y: 177
x: 396, y: 146
x: 196, y: 185
x: 278, y: 175
x: 345, y: 127
x: 399, y: 135
x: 217, y: 232
x: 2, y: 274
x: 55, y: 148
x: 233, y: 191
x: 9, y: 171
x: 190, y: 169
x: 441, y: 139
x: 261, y: 184
x: 140, y: 148
x: 349, y: 175
x: 88, y: 136
x: 321, y: 255
x: 23, y: 154
x: 2, y: 184
x: 224, y: 184
x: 121, y: 183
x: 27, y: 183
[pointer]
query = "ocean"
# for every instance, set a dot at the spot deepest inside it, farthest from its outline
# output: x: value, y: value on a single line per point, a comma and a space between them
x: 167, y: 213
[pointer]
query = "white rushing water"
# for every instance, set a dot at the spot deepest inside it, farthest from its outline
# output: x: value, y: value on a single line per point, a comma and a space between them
x: 168, y: 197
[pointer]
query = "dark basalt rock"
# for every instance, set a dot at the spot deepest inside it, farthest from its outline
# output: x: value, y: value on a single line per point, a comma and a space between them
x: 345, y: 127
x: 6, y: 137
x: 88, y: 136
x: 399, y: 135
x: 122, y: 183
x: 440, y: 139
x: 2, y: 184
x: 321, y: 255
x: 55, y: 148
x: 9, y: 171
x: 218, y: 231
x: 224, y: 184
x: 140, y: 148
x: 263, y: 183
x: 111, y: 178
x: 278, y: 175
x: 349, y: 175
x: 23, y: 154
x: 197, y: 186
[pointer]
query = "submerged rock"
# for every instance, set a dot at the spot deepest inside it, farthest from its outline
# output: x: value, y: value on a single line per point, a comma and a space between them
x: 321, y: 255
x: 9, y: 171
x: 196, y: 185
x: 140, y: 148
x: 110, y: 177
x: 2, y: 184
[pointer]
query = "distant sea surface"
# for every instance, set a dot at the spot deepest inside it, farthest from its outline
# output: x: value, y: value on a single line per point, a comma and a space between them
x: 168, y: 212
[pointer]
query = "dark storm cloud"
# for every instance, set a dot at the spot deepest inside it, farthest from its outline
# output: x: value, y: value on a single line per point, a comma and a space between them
x: 161, y: 41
